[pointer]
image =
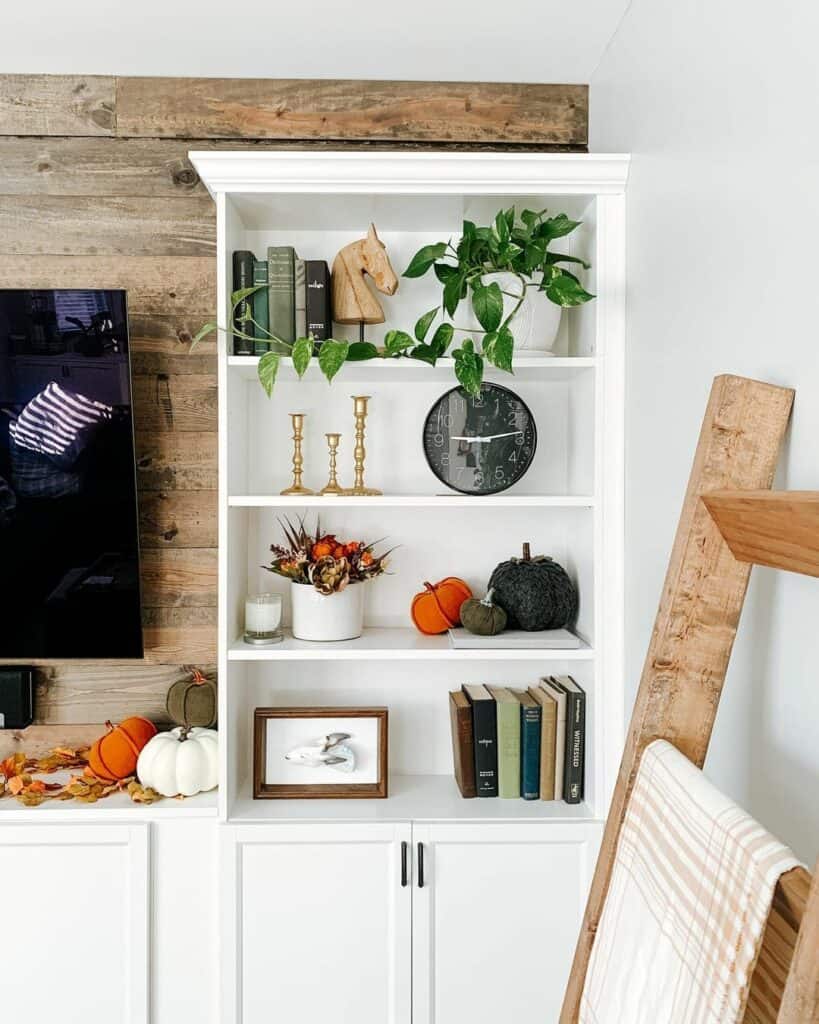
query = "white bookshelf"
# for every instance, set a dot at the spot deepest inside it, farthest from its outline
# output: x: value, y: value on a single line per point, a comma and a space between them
x: 569, y: 505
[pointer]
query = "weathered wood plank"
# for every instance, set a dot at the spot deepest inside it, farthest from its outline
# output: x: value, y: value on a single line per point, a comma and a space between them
x: 169, y: 645
x: 697, y: 619
x: 170, y: 355
x: 38, y: 740
x: 179, y: 577
x: 775, y: 528
x: 57, y: 105
x: 178, y: 519
x: 800, y: 1002
x: 109, y: 225
x: 176, y: 461
x: 178, y: 402
x: 214, y: 108
x: 75, y: 693
x: 158, y: 286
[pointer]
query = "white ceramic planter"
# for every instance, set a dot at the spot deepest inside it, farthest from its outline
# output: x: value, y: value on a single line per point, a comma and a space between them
x: 326, y: 617
x: 535, y: 324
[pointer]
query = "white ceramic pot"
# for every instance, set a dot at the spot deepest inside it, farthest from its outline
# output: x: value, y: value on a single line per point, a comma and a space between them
x: 326, y: 617
x: 536, y: 323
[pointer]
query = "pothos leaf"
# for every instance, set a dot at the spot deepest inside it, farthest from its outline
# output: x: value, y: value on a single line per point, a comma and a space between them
x: 396, y: 341
x: 424, y: 322
x: 203, y: 332
x: 468, y: 367
x: 360, y: 351
x: 424, y: 258
x: 267, y: 370
x: 242, y: 293
x: 302, y: 354
x: 566, y: 290
x: 331, y: 357
x: 454, y: 291
x: 426, y: 353
x: 488, y: 305
x: 441, y: 338
x: 498, y: 348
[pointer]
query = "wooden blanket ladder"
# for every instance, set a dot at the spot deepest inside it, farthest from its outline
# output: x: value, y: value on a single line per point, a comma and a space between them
x: 730, y: 520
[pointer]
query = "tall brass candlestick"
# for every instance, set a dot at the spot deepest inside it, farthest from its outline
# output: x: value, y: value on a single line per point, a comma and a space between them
x: 332, y: 485
x: 359, y: 453
x: 298, y: 461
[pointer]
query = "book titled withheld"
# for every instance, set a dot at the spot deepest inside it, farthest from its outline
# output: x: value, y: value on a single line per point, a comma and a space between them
x: 463, y: 753
x: 484, y: 730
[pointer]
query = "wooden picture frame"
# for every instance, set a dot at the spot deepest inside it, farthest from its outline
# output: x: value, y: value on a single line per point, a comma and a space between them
x: 263, y: 789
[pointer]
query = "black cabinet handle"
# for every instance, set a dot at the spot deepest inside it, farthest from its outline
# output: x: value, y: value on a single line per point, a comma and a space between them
x: 420, y: 865
x: 404, y: 864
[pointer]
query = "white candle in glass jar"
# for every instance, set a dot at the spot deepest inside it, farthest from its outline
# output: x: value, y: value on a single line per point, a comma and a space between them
x: 263, y: 614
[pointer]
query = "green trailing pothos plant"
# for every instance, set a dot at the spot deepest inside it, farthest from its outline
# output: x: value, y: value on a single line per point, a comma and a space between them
x: 517, y: 246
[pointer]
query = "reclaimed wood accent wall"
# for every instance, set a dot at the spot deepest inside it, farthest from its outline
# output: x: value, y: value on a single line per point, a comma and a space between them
x: 96, y: 191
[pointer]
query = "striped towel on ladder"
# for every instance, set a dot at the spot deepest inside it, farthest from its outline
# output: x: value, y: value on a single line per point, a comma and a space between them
x: 689, y: 897
x: 57, y: 423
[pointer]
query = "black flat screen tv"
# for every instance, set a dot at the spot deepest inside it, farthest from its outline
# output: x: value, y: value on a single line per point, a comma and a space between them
x: 69, y: 545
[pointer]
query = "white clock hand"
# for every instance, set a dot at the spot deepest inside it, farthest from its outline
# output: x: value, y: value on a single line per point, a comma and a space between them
x: 510, y: 433
x: 475, y: 438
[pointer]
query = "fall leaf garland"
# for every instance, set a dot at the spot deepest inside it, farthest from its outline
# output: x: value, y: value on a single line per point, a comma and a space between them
x: 18, y: 779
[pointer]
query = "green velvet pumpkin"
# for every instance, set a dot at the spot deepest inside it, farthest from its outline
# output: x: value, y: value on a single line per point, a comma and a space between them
x: 192, y: 701
x: 484, y: 618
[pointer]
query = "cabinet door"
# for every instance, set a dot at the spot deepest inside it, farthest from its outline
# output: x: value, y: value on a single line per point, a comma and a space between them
x: 75, y: 914
x: 495, y: 923
x: 315, y: 924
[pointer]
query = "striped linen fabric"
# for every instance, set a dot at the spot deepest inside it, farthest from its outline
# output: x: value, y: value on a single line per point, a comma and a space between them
x: 57, y: 423
x: 689, y: 897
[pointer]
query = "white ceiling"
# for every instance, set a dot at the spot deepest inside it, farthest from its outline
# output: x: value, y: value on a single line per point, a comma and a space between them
x: 510, y: 40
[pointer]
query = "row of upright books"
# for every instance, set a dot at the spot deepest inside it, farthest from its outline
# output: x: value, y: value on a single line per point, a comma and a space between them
x: 292, y: 299
x: 526, y: 744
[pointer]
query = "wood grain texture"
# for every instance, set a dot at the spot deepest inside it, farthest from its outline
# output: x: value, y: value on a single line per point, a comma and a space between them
x: 38, y: 740
x: 108, y: 225
x: 169, y: 645
x: 218, y: 108
x: 178, y: 402
x: 57, y: 105
x: 699, y: 610
x: 158, y: 286
x: 176, y: 461
x: 800, y: 1002
x: 778, y: 942
x: 775, y: 528
x: 178, y: 577
x: 178, y: 519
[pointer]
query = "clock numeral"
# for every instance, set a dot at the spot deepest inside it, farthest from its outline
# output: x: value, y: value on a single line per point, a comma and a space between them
x: 513, y: 457
x: 445, y: 459
x: 439, y: 440
x: 499, y: 474
x: 520, y: 439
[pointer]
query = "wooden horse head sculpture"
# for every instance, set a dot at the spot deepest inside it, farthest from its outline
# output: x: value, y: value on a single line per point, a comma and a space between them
x: 353, y: 302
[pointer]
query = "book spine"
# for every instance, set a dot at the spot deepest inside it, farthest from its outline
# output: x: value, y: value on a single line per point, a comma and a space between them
x: 281, y: 272
x: 318, y: 299
x: 300, y: 299
x: 575, y: 742
x: 243, y: 278
x: 260, y: 307
x: 508, y: 750
x: 529, y: 752
x: 485, y: 729
x: 463, y: 753
x: 548, y: 736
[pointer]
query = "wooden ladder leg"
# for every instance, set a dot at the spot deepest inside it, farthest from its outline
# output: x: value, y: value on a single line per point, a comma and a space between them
x: 699, y: 610
x: 800, y: 1001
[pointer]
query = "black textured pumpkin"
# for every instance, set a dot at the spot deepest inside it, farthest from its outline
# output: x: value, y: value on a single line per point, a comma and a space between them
x: 536, y: 593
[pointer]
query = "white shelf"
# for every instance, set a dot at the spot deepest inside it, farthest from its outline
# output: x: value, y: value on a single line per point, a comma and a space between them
x: 116, y: 807
x: 416, y: 798
x: 412, y: 501
x: 401, y: 642
x: 532, y: 364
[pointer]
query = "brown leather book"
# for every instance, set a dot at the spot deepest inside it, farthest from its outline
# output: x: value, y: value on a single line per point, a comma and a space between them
x: 460, y: 717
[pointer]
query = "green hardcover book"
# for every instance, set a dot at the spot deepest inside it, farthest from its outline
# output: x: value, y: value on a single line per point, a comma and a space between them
x: 508, y: 710
x: 301, y: 300
x: 260, y: 306
x: 281, y: 274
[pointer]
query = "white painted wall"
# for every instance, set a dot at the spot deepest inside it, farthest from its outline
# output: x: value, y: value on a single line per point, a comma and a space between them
x: 456, y: 40
x: 718, y: 104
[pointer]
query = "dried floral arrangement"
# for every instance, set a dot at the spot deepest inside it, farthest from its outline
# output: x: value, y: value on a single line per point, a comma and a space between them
x: 18, y: 778
x: 323, y: 561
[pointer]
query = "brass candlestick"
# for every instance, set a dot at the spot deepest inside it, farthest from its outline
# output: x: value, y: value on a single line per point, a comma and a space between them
x: 298, y: 461
x: 359, y: 453
x: 332, y: 485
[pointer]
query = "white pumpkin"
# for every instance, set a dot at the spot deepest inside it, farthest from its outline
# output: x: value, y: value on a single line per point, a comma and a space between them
x: 182, y: 761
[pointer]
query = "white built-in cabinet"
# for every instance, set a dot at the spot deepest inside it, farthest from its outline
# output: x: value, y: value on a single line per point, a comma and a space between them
x: 251, y: 911
x: 403, y: 923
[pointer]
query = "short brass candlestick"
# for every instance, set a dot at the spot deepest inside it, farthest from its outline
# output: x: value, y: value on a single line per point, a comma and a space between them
x: 298, y: 461
x: 359, y: 453
x: 332, y: 485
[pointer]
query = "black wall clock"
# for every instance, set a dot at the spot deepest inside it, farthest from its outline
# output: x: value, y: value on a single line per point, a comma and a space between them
x: 480, y: 444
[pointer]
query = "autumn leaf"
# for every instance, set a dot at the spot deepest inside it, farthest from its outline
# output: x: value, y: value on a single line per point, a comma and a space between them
x: 16, y: 785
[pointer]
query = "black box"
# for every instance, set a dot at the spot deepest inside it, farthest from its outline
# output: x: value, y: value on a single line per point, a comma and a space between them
x: 16, y: 697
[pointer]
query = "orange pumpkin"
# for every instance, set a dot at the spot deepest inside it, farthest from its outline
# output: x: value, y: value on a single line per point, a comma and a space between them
x: 114, y: 755
x: 438, y: 607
